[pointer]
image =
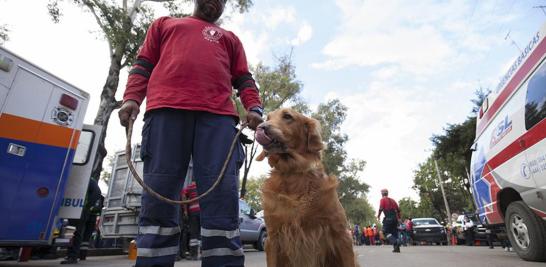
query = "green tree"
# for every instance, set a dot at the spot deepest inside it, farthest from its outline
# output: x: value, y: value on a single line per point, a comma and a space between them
x: 107, y: 173
x: 452, y: 153
x: 351, y: 191
x: 278, y: 87
x: 254, y: 192
x: 123, y: 25
x: 4, y: 34
x: 331, y: 116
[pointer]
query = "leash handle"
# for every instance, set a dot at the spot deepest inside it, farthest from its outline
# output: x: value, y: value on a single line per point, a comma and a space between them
x: 128, y: 157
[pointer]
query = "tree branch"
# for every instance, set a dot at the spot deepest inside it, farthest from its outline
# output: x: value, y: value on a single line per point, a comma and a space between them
x: 101, y: 25
x: 134, y: 10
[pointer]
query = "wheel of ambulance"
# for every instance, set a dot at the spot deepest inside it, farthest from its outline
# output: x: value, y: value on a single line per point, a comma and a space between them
x: 260, y: 244
x: 526, y: 232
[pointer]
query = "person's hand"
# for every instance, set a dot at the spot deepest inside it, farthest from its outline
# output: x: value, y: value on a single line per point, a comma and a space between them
x: 253, y: 119
x: 129, y: 109
x: 378, y: 217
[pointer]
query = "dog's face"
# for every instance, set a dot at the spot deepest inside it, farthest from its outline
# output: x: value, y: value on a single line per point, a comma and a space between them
x: 287, y: 131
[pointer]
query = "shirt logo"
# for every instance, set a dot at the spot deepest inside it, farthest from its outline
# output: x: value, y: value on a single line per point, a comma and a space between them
x: 212, y: 34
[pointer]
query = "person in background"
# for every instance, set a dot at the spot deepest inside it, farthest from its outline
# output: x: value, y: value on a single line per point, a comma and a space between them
x: 403, y: 234
x: 377, y: 236
x: 79, y: 244
x: 356, y: 234
x: 389, y: 206
x: 409, y: 230
x: 193, y: 211
x: 184, y: 231
x: 371, y: 235
x: 507, y: 245
x: 468, y: 229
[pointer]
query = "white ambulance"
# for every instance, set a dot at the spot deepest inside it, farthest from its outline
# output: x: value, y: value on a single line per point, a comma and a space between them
x: 508, y: 166
x: 46, y: 152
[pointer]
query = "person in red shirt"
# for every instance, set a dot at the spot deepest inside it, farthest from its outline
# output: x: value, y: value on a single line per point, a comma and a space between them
x: 193, y: 212
x: 187, y: 69
x: 389, y: 206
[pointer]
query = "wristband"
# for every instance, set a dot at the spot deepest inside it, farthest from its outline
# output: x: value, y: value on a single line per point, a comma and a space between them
x: 258, y: 110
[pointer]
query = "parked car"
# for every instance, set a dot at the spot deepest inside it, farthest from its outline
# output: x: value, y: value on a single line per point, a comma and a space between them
x: 428, y: 230
x: 253, y: 230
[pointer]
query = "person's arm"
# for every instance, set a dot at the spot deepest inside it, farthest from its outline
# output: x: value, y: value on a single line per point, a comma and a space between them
x: 147, y: 58
x: 245, y: 85
x: 137, y: 82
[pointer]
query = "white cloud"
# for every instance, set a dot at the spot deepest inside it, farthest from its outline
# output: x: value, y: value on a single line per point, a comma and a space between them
x: 304, y: 34
x: 423, y: 37
x: 389, y: 126
x: 385, y: 73
x: 279, y: 15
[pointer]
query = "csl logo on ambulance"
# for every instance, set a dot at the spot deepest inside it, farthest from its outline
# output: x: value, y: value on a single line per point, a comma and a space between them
x: 504, y: 127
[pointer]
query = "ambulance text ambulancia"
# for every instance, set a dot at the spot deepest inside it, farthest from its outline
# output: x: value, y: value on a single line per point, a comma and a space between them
x: 509, y: 154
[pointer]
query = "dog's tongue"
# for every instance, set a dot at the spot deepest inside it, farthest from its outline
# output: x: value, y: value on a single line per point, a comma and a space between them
x: 262, y: 138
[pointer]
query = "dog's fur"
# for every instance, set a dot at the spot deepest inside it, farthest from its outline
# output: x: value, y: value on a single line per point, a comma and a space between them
x: 306, y: 224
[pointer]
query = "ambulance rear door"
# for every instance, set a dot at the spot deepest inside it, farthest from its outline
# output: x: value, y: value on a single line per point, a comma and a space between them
x: 82, y: 165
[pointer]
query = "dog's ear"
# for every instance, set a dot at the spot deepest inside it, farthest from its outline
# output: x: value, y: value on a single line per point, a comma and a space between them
x: 261, y: 156
x: 314, y: 140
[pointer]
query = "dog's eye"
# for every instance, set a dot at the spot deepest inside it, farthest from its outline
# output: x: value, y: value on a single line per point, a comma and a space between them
x: 287, y: 116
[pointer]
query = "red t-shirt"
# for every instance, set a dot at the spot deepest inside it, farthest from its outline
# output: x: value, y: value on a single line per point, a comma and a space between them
x: 389, y: 204
x: 194, y: 64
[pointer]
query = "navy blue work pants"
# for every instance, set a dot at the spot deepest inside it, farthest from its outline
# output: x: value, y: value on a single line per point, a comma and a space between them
x: 390, y: 230
x: 169, y: 139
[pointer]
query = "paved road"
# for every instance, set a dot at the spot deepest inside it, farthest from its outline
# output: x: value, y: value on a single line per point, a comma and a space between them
x: 419, y: 256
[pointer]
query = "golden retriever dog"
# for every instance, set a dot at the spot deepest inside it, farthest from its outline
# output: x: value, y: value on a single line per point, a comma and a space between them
x: 306, y: 224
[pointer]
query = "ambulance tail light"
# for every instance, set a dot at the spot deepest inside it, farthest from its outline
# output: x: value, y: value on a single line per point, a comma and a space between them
x: 42, y: 192
x: 69, y: 102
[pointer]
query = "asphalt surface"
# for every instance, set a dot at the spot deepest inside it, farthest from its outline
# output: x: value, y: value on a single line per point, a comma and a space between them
x: 417, y: 256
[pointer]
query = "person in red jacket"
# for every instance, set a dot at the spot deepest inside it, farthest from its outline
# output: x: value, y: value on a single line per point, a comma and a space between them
x: 389, y: 206
x: 187, y: 69
x: 193, y: 211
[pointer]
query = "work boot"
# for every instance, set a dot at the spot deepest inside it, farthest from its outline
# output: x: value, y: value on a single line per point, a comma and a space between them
x: 83, y: 255
x: 69, y: 260
x: 194, y: 253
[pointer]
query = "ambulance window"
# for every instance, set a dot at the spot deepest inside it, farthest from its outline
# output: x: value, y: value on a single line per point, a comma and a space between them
x: 535, y: 102
x: 84, y: 147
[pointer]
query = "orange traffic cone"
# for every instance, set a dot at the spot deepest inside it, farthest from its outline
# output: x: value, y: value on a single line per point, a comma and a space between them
x: 132, y: 250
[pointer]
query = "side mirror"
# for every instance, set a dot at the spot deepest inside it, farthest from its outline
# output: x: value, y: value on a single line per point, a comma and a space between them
x: 252, y: 213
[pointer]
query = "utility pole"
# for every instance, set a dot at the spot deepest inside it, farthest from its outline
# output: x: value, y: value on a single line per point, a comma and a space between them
x: 443, y: 194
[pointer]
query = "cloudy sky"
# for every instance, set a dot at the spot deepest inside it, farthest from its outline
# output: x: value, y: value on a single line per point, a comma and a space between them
x: 405, y: 69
